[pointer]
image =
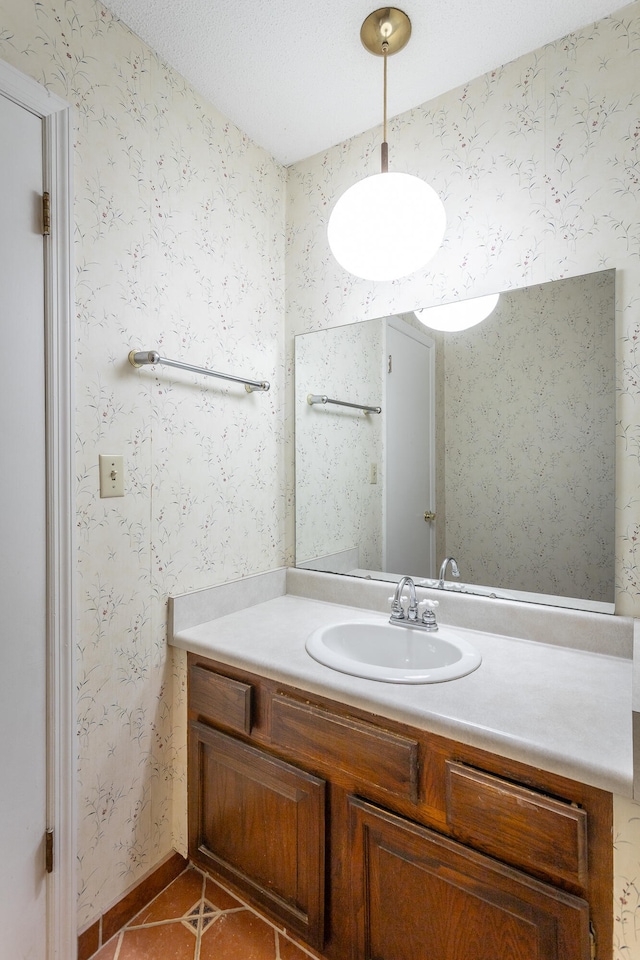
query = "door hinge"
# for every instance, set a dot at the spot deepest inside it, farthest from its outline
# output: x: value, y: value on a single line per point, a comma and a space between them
x: 48, y: 851
x: 390, y: 364
x: 593, y: 942
x: 46, y: 214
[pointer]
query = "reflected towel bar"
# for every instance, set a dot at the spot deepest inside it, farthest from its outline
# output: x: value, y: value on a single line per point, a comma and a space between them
x: 142, y: 357
x: 316, y: 398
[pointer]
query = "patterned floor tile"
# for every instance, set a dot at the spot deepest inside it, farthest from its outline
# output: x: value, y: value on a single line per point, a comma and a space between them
x: 175, y: 900
x: 238, y: 936
x: 195, y: 918
x: 219, y: 897
x: 108, y: 952
x: 165, y: 941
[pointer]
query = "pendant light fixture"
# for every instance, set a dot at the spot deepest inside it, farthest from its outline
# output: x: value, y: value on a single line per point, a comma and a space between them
x: 390, y: 224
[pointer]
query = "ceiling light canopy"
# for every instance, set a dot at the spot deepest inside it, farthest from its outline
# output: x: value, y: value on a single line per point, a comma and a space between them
x: 452, y: 317
x: 390, y: 224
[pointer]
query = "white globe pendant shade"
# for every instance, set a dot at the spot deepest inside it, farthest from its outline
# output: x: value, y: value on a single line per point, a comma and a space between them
x: 460, y: 315
x: 386, y: 226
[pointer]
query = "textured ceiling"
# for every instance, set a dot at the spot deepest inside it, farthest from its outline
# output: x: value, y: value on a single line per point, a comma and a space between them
x: 294, y: 76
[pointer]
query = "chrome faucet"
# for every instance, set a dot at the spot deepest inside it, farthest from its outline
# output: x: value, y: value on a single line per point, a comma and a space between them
x: 411, y: 618
x: 397, y: 610
x: 443, y: 571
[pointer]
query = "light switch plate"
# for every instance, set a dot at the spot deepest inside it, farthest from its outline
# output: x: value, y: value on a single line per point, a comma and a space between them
x: 111, y: 475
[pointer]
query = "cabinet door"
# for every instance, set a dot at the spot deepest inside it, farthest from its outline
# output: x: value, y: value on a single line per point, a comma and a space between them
x: 259, y: 822
x: 420, y: 896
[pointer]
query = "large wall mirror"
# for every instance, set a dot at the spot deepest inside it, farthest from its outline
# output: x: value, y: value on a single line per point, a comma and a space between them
x: 493, y: 445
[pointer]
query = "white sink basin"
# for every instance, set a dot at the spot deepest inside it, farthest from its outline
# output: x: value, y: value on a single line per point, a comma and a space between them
x: 377, y: 650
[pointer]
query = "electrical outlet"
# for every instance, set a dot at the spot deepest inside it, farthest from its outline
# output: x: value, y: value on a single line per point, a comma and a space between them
x: 373, y: 473
x: 111, y: 475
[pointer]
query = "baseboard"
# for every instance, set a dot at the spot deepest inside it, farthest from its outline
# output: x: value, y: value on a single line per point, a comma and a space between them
x: 98, y: 933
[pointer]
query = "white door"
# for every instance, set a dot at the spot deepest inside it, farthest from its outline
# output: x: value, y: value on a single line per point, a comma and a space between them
x: 409, y: 412
x: 23, y: 582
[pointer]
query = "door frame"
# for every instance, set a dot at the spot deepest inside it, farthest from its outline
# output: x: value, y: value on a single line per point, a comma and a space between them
x: 59, y: 350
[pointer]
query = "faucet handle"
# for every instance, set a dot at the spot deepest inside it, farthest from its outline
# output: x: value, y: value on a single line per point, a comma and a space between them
x: 429, y: 614
x: 397, y: 609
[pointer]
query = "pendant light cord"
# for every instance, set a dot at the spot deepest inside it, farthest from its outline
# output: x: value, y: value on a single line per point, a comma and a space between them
x: 384, y: 147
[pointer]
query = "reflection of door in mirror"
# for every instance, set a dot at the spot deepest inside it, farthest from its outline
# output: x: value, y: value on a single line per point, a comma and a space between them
x: 409, y: 429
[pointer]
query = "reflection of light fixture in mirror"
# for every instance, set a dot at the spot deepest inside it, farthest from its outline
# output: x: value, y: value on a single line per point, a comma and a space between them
x: 390, y: 224
x: 461, y: 315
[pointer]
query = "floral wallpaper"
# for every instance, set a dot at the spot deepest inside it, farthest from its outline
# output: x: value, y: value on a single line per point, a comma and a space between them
x: 538, y: 165
x: 337, y: 506
x: 626, y: 860
x: 529, y: 441
x: 179, y: 246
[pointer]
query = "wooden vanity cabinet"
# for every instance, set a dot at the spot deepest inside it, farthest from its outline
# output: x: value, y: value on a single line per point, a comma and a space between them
x: 372, y: 840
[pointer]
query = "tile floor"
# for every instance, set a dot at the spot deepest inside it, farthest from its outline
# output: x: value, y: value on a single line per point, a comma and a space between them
x: 196, y: 919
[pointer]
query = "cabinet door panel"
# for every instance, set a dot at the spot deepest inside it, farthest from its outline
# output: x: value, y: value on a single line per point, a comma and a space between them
x: 260, y: 823
x: 421, y: 896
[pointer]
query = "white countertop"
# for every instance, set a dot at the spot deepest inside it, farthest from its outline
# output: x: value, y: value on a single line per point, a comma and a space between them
x: 563, y: 709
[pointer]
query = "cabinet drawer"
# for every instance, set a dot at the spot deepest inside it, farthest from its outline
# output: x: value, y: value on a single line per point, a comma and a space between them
x: 219, y: 699
x: 357, y: 749
x: 545, y: 836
